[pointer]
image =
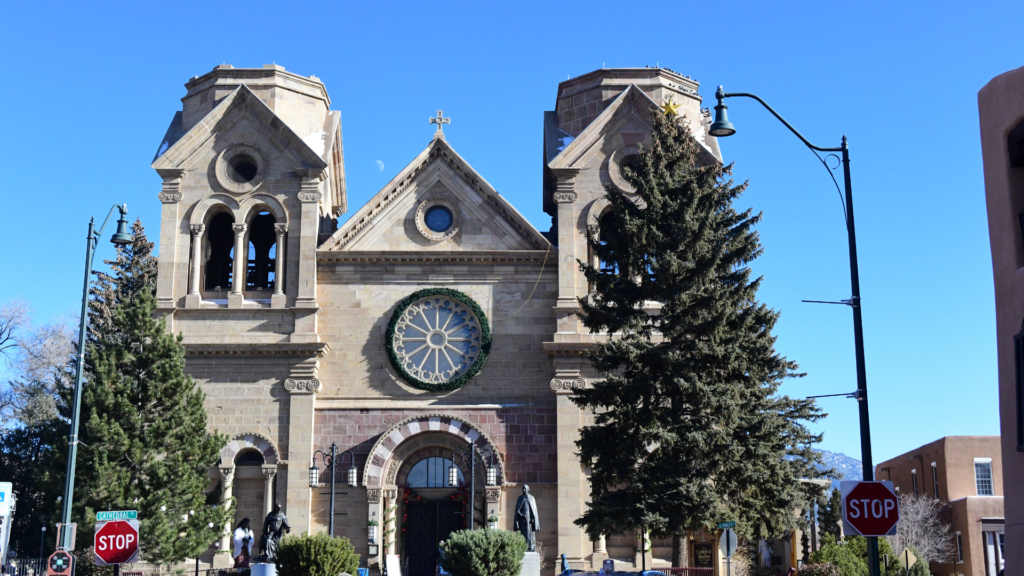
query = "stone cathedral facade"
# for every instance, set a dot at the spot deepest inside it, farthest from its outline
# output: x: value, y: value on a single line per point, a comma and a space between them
x: 434, y: 317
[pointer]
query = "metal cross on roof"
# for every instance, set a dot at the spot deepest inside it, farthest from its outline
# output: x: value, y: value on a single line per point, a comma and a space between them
x: 439, y: 121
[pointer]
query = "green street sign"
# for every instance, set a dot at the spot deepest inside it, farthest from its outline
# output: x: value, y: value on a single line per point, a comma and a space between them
x: 117, y: 515
x: 724, y: 525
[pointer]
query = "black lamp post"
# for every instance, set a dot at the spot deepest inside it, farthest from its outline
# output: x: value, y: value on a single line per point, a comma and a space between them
x: 491, y: 479
x: 721, y: 128
x: 120, y: 238
x: 330, y: 461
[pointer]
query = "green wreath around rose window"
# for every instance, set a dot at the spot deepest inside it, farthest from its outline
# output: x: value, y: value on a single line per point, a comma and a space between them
x: 471, y: 372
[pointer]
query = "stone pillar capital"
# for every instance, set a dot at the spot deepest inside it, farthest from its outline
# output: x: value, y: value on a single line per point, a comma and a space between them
x: 269, y: 472
x: 227, y: 474
x: 239, y: 228
x: 281, y: 229
x: 197, y: 230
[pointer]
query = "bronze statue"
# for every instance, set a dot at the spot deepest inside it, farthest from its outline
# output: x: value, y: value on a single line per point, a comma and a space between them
x: 527, y: 521
x: 274, y: 528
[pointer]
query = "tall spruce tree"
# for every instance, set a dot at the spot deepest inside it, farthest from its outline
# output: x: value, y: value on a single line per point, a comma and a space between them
x: 144, y: 440
x: 689, y: 428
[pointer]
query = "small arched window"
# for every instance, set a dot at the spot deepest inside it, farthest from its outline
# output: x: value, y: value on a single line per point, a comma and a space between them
x: 259, y: 274
x: 249, y: 458
x: 432, y: 473
x: 220, y: 240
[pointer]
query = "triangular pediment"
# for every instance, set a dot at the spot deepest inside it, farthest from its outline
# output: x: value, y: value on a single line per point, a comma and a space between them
x: 394, y: 218
x: 241, y: 109
x: 628, y: 119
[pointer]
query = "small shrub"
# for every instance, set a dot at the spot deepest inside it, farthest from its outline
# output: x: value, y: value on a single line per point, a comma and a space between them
x: 820, y: 570
x: 483, y: 553
x: 318, y: 555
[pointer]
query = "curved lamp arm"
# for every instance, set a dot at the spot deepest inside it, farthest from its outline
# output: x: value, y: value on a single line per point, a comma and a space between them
x: 721, y: 94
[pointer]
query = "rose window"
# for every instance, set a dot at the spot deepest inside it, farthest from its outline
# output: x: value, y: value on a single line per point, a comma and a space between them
x: 438, y: 339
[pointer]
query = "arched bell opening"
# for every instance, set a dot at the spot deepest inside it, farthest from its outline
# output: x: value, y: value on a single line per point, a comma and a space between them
x: 218, y: 255
x: 261, y: 257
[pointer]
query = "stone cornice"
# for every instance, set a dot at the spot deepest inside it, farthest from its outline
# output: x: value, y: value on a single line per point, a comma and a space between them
x: 437, y: 257
x: 275, y: 350
x: 557, y: 349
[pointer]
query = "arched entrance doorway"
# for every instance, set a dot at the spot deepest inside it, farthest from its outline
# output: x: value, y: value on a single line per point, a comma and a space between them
x: 430, y: 509
x: 407, y: 485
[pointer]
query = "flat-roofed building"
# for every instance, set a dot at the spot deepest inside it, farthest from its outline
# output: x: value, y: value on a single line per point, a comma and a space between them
x: 965, y: 474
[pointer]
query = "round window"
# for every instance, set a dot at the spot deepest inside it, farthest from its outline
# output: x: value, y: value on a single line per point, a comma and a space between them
x: 632, y: 162
x: 438, y: 218
x: 243, y: 169
x: 438, y: 339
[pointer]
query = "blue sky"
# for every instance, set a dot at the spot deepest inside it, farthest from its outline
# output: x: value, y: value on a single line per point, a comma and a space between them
x: 90, y: 88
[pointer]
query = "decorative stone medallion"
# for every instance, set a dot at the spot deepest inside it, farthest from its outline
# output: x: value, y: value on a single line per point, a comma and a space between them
x: 241, y: 168
x: 437, y: 218
x: 438, y: 339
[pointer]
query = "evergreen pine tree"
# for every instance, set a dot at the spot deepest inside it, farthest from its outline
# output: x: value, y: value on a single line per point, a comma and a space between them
x: 689, y: 428
x: 144, y: 443
x: 131, y: 272
x: 830, y: 514
x: 145, y: 440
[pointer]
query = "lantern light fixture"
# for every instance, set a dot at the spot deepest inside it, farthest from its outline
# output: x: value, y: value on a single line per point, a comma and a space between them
x: 314, y: 477
x: 352, y: 476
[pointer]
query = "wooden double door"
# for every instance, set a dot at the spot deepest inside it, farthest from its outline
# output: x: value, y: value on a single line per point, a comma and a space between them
x: 427, y: 524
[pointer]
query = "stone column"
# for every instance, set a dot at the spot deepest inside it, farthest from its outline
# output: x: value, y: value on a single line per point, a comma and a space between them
x: 240, y: 265
x: 375, y: 510
x: 388, y: 524
x: 268, y: 488
x: 278, y: 299
x: 566, y: 306
x: 302, y: 387
x: 571, y: 483
x: 193, y: 298
x: 227, y: 477
x: 306, y: 307
x: 493, y: 508
x: 600, y: 553
x: 173, y: 265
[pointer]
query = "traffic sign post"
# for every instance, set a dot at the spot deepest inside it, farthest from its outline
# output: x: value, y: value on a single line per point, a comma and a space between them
x: 116, y: 542
x: 728, y: 544
x: 870, y: 509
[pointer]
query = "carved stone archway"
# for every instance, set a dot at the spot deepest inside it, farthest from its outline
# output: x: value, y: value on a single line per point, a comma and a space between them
x: 400, y: 441
x: 404, y: 444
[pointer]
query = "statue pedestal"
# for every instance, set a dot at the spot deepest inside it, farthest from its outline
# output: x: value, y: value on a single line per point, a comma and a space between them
x: 263, y: 570
x: 531, y: 564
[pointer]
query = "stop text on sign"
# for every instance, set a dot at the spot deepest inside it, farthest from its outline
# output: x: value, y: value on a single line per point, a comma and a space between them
x: 870, y: 508
x: 116, y: 543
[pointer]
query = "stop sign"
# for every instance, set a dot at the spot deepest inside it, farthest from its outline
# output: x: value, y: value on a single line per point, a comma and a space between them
x: 116, y: 542
x: 870, y: 508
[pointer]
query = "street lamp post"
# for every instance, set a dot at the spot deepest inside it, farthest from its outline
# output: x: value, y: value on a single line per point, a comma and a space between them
x: 330, y: 461
x: 491, y: 479
x: 120, y: 238
x: 722, y: 128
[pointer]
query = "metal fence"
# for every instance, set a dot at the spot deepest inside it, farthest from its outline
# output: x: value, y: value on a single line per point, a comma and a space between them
x: 691, y: 571
x: 26, y: 567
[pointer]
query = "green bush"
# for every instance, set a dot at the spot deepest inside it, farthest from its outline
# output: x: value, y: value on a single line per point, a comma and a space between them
x: 820, y: 570
x: 483, y: 553
x: 318, y: 555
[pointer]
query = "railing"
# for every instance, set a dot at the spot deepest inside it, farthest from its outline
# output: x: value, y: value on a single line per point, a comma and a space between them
x: 689, y: 571
x: 226, y: 571
x: 26, y: 566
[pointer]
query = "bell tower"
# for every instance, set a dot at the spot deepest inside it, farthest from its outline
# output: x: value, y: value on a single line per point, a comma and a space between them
x: 253, y: 173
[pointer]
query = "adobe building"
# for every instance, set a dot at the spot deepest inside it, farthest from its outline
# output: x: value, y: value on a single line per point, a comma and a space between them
x: 965, y: 473
x: 1001, y: 112
x: 433, y: 319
